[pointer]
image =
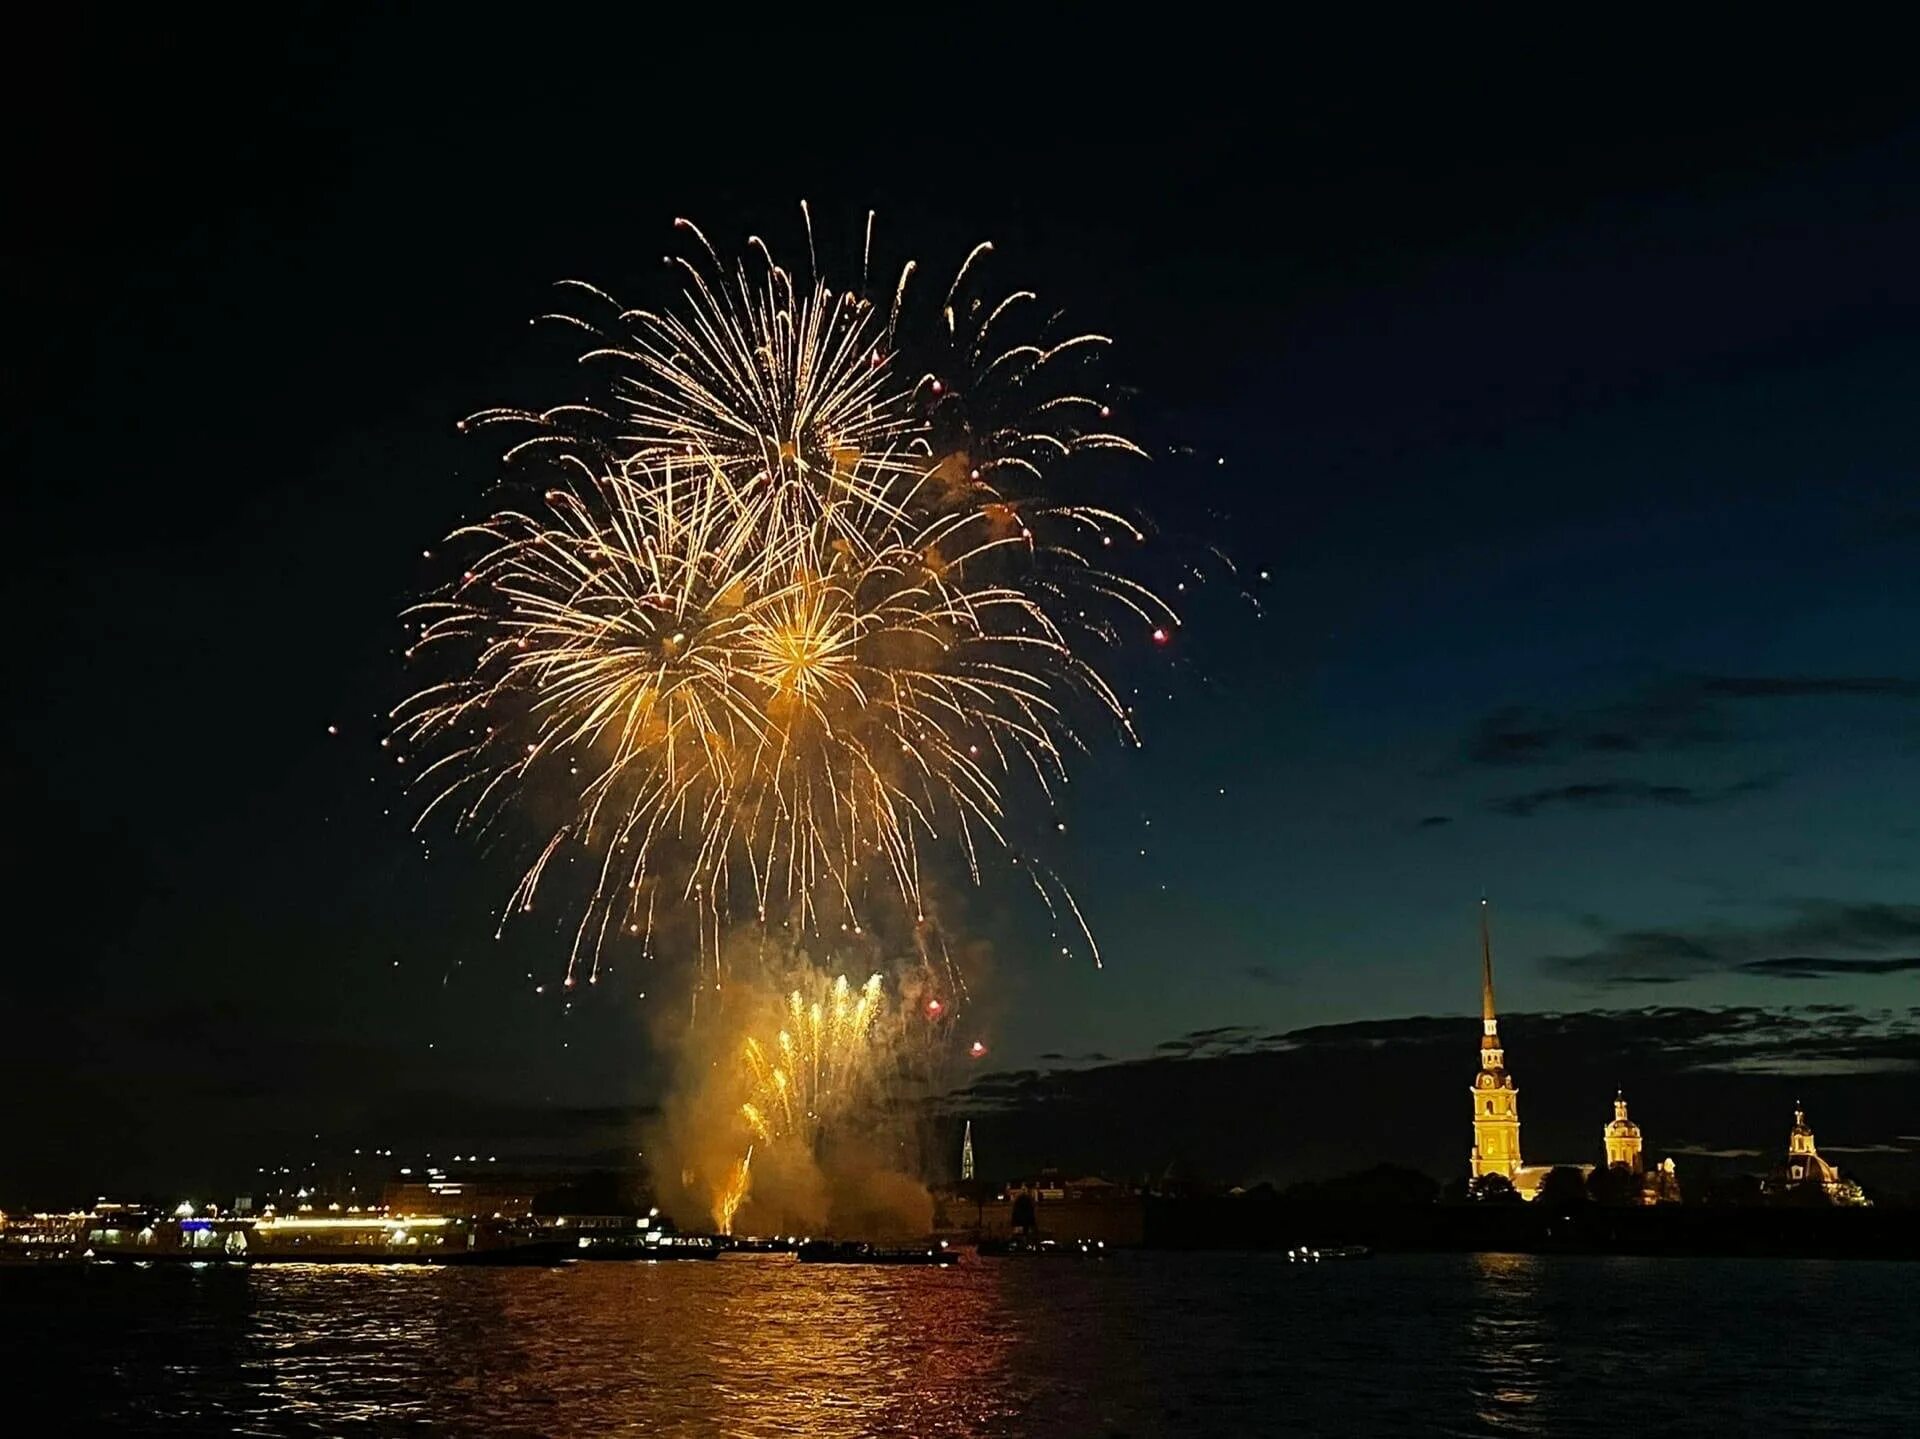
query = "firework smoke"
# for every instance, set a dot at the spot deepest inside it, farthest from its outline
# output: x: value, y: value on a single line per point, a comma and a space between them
x: 795, y: 1108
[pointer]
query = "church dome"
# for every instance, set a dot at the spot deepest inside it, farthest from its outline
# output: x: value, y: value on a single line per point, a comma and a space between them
x: 1621, y: 1127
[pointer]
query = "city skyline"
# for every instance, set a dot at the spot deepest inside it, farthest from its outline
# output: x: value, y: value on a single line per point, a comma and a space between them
x: 1567, y: 476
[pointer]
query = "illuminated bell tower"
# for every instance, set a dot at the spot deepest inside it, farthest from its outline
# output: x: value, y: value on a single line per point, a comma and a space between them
x: 1800, y: 1137
x: 1496, y: 1102
x: 1623, y: 1139
x: 966, y: 1155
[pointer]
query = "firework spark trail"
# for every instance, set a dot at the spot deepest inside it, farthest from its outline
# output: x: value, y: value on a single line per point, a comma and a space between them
x: 732, y: 1193
x: 782, y: 621
x: 818, y: 1065
x: 824, y: 1063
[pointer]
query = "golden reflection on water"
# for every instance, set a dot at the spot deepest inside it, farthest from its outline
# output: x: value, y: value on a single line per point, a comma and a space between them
x: 751, y: 1345
x: 769, y: 1346
x: 293, y: 1367
x: 1511, y: 1342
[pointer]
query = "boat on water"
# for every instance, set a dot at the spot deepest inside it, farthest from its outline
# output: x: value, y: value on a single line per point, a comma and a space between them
x: 330, y: 1239
x: 428, y: 1239
x: 1021, y: 1248
x: 754, y: 1244
x: 651, y: 1247
x: 1308, y: 1255
x: 827, y: 1251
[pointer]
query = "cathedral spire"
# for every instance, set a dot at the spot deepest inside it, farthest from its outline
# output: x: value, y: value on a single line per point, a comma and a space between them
x: 1486, y: 967
x: 1496, y: 1099
x: 1490, y: 1055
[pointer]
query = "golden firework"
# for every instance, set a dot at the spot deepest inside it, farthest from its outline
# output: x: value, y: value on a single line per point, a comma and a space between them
x: 777, y: 626
x: 823, y: 1063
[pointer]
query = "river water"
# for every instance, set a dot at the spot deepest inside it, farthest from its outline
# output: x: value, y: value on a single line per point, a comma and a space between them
x: 1137, y: 1344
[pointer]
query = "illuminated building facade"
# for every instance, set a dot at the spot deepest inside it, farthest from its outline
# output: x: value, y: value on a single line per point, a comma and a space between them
x: 1496, y: 1099
x: 1803, y: 1166
x: 1496, y: 1112
x: 1622, y: 1138
x: 457, y: 1198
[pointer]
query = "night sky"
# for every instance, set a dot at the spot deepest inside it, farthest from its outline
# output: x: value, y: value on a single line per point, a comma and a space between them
x: 1568, y: 403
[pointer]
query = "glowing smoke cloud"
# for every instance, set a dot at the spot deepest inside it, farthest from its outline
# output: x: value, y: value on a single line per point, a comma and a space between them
x: 791, y: 1102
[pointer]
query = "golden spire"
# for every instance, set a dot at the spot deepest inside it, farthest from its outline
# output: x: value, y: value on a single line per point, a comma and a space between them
x: 1486, y: 966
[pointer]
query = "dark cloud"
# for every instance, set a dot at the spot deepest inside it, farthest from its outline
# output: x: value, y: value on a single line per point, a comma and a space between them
x: 1813, y: 967
x: 1710, y: 1082
x: 1815, y: 939
x: 1810, y: 686
x: 1661, y: 719
x: 1681, y: 713
x: 1434, y: 821
x: 1221, y: 1038
x: 1625, y: 793
x: 1514, y: 736
x: 1263, y: 974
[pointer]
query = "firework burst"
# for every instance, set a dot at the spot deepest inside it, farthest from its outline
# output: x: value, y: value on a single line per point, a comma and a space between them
x: 829, y: 1052
x: 791, y: 611
x: 817, y: 1064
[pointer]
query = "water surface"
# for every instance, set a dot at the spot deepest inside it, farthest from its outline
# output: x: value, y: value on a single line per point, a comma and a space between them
x: 1140, y: 1344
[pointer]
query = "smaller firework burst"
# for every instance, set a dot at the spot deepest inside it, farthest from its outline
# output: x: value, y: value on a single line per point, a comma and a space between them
x: 823, y: 1063
x: 819, y: 1066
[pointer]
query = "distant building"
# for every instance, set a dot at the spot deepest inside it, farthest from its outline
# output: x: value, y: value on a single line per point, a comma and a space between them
x: 966, y: 1155
x: 1659, y: 1185
x: 1622, y: 1138
x: 457, y: 1198
x: 1663, y: 1184
x: 1803, y: 1165
x: 1496, y: 1099
x: 1046, y: 1206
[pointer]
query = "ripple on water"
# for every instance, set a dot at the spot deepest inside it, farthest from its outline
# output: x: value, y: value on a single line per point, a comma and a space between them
x: 1142, y: 1344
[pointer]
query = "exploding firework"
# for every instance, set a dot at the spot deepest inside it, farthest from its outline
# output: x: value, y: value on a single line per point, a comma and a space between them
x: 822, y: 1064
x: 797, y: 1093
x: 792, y: 610
x: 815, y: 1066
